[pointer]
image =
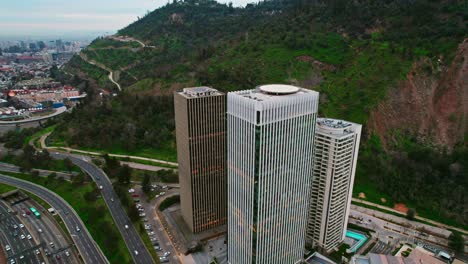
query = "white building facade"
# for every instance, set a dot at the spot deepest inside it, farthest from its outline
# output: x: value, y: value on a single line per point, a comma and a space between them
x: 336, y: 152
x: 270, y: 165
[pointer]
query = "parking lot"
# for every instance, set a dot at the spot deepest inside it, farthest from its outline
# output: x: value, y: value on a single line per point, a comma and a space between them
x: 153, y: 228
x: 30, y: 238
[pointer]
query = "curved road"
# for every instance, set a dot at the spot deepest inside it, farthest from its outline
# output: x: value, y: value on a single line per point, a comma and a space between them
x: 130, y: 235
x: 89, y: 250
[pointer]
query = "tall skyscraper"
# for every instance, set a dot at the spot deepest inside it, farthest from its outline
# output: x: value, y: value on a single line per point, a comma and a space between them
x: 336, y: 152
x: 270, y: 165
x: 200, y: 115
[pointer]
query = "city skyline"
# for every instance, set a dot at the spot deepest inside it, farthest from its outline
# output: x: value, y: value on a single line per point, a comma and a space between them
x: 55, y: 18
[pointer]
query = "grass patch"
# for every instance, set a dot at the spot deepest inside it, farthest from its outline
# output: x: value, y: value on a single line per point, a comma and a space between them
x: 144, y: 236
x: 38, y: 134
x: 52, y: 164
x: 169, y: 202
x: 101, y: 228
x: 6, y: 188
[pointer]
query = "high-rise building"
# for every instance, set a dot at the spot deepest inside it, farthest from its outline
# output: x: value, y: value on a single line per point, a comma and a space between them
x: 200, y: 116
x: 270, y: 165
x: 336, y: 152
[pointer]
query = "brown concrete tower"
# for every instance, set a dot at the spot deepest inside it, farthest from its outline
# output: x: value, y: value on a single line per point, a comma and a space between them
x: 200, y: 116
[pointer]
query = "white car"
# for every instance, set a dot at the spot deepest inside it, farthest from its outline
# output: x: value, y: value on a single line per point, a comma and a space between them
x: 7, y: 247
x: 21, y: 257
x: 167, y: 253
x: 101, y: 187
x: 37, y: 252
x: 39, y: 230
x: 67, y: 253
x: 77, y: 229
x: 136, y: 252
x: 15, y: 226
x: 151, y: 233
x: 142, y: 215
x: 22, y: 237
x: 21, y: 225
x: 131, y: 191
x: 29, y: 237
x: 126, y: 226
x: 162, y: 193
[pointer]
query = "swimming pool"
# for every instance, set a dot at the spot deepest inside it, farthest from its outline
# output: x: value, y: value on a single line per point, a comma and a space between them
x: 361, y: 239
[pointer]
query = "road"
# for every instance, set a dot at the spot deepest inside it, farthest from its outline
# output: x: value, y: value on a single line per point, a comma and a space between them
x: 440, y: 225
x: 58, y: 111
x: 50, y: 232
x: 11, y: 236
x: 5, y: 167
x: 89, y: 250
x: 130, y: 235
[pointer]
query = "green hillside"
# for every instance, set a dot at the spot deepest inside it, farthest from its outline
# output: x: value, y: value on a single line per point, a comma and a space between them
x: 352, y: 52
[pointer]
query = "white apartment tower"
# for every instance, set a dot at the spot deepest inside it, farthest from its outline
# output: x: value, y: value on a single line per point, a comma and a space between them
x: 270, y: 165
x: 336, y: 152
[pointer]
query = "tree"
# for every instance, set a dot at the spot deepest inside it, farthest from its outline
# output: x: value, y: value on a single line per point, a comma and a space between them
x: 133, y: 213
x: 78, y: 179
x: 124, y: 175
x: 456, y: 242
x: 410, y: 214
x: 146, y: 184
x: 68, y: 164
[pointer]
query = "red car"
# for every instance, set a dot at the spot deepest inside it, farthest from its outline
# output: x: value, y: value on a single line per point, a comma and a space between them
x: 27, y: 211
x: 135, y: 195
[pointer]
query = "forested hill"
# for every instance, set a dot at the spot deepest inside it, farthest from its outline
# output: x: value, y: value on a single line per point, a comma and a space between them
x: 396, y: 66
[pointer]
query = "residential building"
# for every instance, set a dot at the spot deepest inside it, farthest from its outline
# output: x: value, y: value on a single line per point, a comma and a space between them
x: 270, y: 165
x: 336, y: 152
x: 200, y: 116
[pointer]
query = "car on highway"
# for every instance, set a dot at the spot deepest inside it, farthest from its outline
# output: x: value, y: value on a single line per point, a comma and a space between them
x: 101, y: 187
x: 136, y: 252
x: 7, y: 248
x: 52, y: 245
x: 112, y: 199
x: 39, y: 230
x: 126, y: 226
x: 77, y: 229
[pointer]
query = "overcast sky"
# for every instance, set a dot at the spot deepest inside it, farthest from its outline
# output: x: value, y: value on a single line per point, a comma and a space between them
x: 58, y: 17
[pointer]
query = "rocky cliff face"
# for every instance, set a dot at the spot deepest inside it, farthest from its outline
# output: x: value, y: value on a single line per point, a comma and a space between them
x: 431, y: 104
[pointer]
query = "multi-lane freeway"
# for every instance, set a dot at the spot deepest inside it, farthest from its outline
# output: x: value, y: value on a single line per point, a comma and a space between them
x: 89, y: 250
x: 135, y: 245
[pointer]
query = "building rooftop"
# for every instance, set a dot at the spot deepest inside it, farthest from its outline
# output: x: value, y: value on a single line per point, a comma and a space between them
x: 336, y: 127
x: 274, y: 92
x: 202, y: 91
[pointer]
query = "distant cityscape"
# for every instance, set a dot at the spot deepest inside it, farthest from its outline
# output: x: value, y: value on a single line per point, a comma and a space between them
x: 27, y: 86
